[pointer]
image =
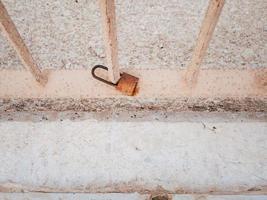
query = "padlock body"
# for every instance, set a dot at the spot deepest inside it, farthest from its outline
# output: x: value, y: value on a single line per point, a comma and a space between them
x: 127, y: 84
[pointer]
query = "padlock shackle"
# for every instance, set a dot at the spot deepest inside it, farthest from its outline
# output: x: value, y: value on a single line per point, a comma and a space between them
x: 99, y: 78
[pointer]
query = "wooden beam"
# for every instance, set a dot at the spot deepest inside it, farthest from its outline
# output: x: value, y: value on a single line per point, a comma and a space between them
x: 107, y: 8
x: 10, y: 31
x: 205, y: 35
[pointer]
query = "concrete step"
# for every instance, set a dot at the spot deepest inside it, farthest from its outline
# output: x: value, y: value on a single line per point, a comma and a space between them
x: 165, y: 153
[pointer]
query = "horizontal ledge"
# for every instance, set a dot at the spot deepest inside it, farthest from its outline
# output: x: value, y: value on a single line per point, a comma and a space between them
x: 118, y: 105
x: 127, y: 188
x: 158, y: 83
x: 159, y: 89
x: 128, y: 196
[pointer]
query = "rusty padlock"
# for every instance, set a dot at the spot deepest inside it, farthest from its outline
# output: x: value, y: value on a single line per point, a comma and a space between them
x: 127, y: 83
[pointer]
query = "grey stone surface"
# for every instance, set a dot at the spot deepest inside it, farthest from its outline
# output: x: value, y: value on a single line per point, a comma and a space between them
x: 74, y: 196
x: 118, y: 196
x: 67, y: 34
x: 220, y: 197
x: 116, y: 156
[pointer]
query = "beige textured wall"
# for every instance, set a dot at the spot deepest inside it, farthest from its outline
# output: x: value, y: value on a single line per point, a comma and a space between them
x: 152, y: 33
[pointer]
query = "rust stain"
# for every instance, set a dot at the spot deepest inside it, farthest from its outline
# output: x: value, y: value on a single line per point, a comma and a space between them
x: 136, y: 91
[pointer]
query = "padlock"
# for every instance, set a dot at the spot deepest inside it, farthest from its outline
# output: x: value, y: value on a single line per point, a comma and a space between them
x: 127, y: 83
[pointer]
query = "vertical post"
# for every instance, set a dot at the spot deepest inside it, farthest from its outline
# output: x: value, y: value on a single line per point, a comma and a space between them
x: 107, y: 8
x: 10, y: 31
x: 205, y: 35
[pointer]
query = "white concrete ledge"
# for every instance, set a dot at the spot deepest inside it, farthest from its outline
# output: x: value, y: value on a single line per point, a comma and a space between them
x: 109, y: 156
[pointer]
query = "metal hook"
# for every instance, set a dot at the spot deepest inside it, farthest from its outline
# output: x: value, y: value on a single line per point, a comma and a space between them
x: 99, y: 78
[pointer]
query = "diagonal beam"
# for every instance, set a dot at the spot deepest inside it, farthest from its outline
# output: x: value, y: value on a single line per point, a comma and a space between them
x: 107, y: 8
x: 10, y: 31
x: 205, y: 35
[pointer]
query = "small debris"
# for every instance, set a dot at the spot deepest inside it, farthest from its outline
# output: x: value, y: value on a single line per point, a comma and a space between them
x: 137, y: 149
x: 204, y: 125
x: 254, y: 189
x: 161, y: 197
x: 44, y: 118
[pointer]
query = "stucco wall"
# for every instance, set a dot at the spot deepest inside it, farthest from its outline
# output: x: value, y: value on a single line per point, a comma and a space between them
x: 162, y: 33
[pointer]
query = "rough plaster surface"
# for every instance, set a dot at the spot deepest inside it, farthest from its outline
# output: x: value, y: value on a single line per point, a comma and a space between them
x: 67, y: 34
x: 116, y: 156
x: 55, y: 196
x: 41, y: 196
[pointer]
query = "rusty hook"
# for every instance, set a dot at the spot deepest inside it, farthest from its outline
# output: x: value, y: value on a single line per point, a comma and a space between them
x: 99, y: 78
